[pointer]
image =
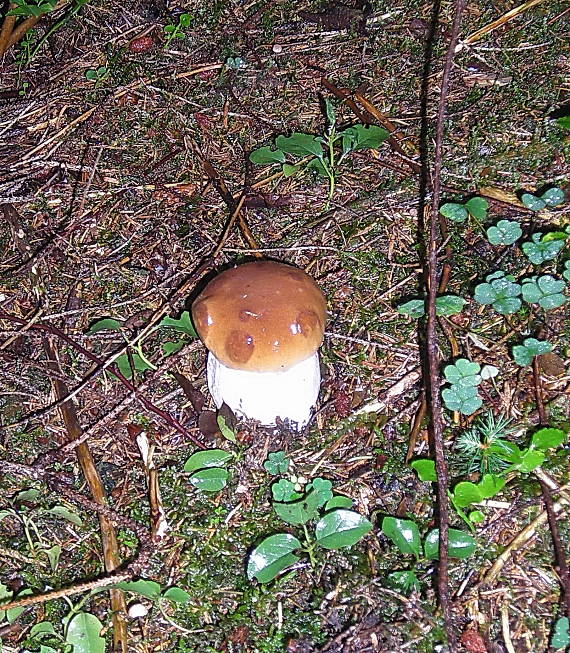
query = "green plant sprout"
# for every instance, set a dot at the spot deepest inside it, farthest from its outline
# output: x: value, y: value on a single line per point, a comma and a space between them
x: 207, y: 469
x: 32, y: 8
x: 97, y: 75
x: 545, y: 247
x: 501, y: 291
x: 444, y: 306
x: 298, y: 503
x: 552, y: 197
x: 405, y: 534
x: 546, y: 291
x: 321, y: 150
x: 464, y: 378
x: 524, y: 354
x: 277, y: 463
x: 476, y: 207
x: 176, y: 31
x: 505, y: 232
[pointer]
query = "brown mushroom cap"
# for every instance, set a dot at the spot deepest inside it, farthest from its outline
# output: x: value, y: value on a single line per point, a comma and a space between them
x: 262, y: 316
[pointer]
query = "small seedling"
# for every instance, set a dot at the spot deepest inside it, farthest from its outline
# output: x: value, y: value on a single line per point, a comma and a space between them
x: 546, y: 291
x: 561, y: 634
x: 97, y: 74
x: 298, y: 503
x: 501, y: 291
x: 475, y: 207
x: 326, y: 153
x: 176, y: 31
x: 235, y: 63
x: 481, y: 446
x: 462, y: 395
x: 405, y: 534
x: 207, y: 469
x: 444, y: 306
x: 32, y: 8
x: 531, y: 347
x: 277, y: 463
x: 551, y: 197
x: 505, y: 232
x: 545, y: 247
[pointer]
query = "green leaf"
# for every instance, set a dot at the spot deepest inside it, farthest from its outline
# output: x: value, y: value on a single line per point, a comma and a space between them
x: 125, y: 368
x: 425, y: 469
x: 463, y: 373
x: 225, y: 430
x: 299, y: 144
x: 212, y: 479
x: 476, y: 517
x: 317, y: 164
x: 42, y: 628
x: 274, y: 554
x: 403, y: 581
x: 531, y: 459
x: 183, y: 324
x: 83, y: 632
x: 532, y: 202
x: 289, y: 170
x: 284, y: 490
x: 547, y: 438
x: 207, y: 458
x: 500, y: 291
x: 27, y: 495
x: 265, y: 155
x: 404, y: 533
x: 365, y: 137
x: 293, y: 513
x: 531, y: 347
x: 541, y: 248
x: 466, y: 493
x: 461, y: 544
x: 62, y: 511
x: 546, y: 291
x: 553, y: 196
x: 491, y: 485
x: 453, y: 211
x: 564, y: 121
x: 338, y: 501
x: 477, y: 207
x: 53, y: 554
x: 462, y: 398
x: 184, y: 20
x: 106, y: 323
x: 505, y: 232
x: 177, y: 595
x: 46, y: 649
x: 330, y: 113
x: 276, y: 463
x: 449, y: 305
x: 169, y: 348
x: 147, y: 588
x: 341, y: 528
x: 414, y: 308
x: 561, y: 635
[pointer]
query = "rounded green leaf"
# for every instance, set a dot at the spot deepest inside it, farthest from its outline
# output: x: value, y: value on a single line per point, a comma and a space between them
x: 531, y: 460
x: 265, y: 155
x: 463, y: 373
x: 273, y: 555
x: 561, y: 636
x: 466, y: 493
x: 461, y: 544
x: 338, y: 501
x: 477, y: 207
x: 294, y: 513
x: 425, y: 469
x: 83, y: 633
x: 455, y: 212
x: 41, y: 628
x: 404, y: 533
x: 449, y: 305
x: 148, y: 588
x: 207, y: 458
x: 212, y: 479
x: 491, y: 485
x: 505, y: 232
x: 532, y: 202
x: 299, y: 144
x: 365, y: 136
x: 177, y: 595
x: 476, y: 517
x: 340, y: 528
x: 107, y: 323
x: 414, y: 308
x: 507, y: 306
x: 553, y: 196
x: 462, y: 398
x: 548, y: 438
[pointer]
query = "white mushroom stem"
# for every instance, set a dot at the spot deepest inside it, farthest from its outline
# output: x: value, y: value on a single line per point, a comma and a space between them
x: 264, y: 396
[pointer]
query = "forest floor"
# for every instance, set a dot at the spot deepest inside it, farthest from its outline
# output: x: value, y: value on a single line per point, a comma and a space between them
x: 125, y: 151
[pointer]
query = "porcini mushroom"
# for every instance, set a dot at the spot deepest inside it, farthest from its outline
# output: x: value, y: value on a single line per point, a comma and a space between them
x: 263, y: 323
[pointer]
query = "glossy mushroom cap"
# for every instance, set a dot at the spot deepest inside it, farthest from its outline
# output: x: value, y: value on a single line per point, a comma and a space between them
x: 261, y: 317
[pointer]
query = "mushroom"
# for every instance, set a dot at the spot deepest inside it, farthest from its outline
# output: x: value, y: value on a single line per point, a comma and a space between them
x: 263, y: 323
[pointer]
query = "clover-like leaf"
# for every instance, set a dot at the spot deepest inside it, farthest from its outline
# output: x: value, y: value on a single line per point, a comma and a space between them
x: 460, y: 544
x: 340, y: 528
x: 505, y: 232
x: 501, y: 291
x: 553, y: 196
x: 489, y: 372
x: 404, y: 533
x: 561, y: 635
x: 264, y: 155
x: 463, y: 372
x: 276, y: 463
x: 207, y: 458
x: 532, y: 202
x: 477, y: 207
x: 531, y: 347
x: 284, y: 490
x: 546, y: 291
x: 211, y: 479
x: 414, y: 308
x: 300, y: 144
x: 547, y: 438
x: 271, y: 556
x: 425, y: 469
x: 541, y: 249
x: 449, y: 305
x: 454, y: 211
x: 462, y: 398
